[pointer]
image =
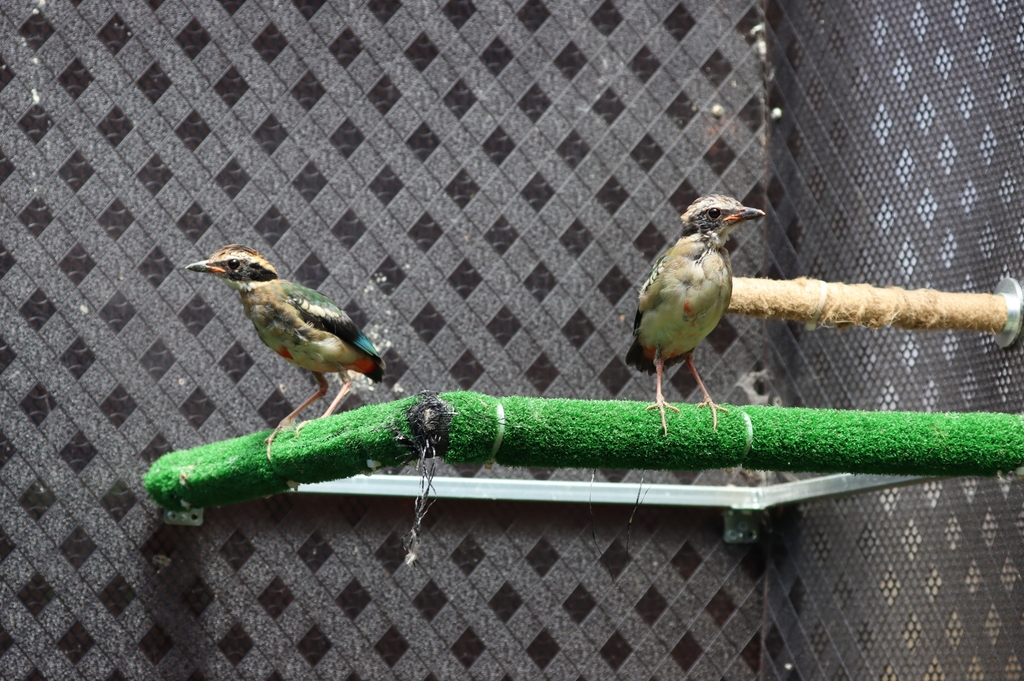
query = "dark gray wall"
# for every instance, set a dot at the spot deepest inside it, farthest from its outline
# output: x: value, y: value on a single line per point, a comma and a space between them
x: 583, y: 133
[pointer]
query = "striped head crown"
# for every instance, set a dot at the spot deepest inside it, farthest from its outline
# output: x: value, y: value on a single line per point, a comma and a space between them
x: 716, y: 214
x: 237, y: 265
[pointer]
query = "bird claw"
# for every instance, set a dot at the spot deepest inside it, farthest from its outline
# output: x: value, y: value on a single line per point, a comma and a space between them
x: 714, y: 411
x: 270, y: 438
x: 660, y: 406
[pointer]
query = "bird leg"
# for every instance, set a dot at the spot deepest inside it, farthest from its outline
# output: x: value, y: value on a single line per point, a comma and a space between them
x: 287, y: 421
x: 660, y: 403
x: 707, y: 397
x: 346, y: 386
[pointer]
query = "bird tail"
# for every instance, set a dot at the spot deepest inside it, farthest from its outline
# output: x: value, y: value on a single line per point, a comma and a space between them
x: 636, y: 359
x: 371, y: 367
x: 672, y: 361
x: 377, y: 375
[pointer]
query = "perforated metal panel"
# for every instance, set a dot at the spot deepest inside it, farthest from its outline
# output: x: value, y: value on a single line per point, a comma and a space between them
x: 919, y: 582
x: 896, y: 161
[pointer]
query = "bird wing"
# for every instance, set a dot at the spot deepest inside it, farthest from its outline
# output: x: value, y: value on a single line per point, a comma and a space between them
x: 320, y: 312
x: 656, y: 270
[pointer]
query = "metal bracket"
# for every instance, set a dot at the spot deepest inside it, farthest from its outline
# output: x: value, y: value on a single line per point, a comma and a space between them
x: 739, y: 499
x: 742, y: 527
x: 573, y: 491
x: 745, y: 505
x: 192, y: 517
x: 1011, y: 290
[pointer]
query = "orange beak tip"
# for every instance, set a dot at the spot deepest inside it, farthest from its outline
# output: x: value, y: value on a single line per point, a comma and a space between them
x: 745, y: 214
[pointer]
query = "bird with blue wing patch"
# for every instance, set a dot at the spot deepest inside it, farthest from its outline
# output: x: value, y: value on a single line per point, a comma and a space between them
x: 686, y: 294
x: 301, y: 325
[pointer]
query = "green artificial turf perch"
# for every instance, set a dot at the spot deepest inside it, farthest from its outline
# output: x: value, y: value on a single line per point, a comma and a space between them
x: 466, y: 427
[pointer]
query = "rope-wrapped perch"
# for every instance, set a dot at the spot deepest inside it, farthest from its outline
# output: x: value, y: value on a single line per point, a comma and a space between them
x: 834, y: 304
x: 465, y: 427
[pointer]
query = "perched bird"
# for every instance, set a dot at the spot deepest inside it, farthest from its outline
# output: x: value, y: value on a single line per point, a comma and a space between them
x: 686, y: 294
x: 301, y: 325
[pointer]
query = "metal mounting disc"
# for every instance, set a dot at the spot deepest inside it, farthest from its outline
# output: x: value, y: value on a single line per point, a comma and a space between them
x: 1011, y: 290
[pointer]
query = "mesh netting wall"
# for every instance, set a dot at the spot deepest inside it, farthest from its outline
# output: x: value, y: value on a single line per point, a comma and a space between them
x: 482, y: 186
x: 896, y: 161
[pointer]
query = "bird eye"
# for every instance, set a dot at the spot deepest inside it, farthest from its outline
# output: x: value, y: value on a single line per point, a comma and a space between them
x: 233, y: 264
x: 714, y: 213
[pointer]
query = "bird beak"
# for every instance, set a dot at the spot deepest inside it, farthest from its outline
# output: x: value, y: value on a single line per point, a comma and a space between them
x: 745, y: 214
x: 203, y: 266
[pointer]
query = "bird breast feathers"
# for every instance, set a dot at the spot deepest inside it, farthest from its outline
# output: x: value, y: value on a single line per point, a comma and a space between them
x: 684, y: 269
x: 681, y: 309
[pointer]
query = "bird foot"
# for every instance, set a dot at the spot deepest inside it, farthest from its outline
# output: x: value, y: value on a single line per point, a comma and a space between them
x: 660, y: 405
x: 284, y: 425
x: 714, y: 411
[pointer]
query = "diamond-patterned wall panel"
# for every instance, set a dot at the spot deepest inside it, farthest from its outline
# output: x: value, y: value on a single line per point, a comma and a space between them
x: 470, y: 181
x: 505, y: 138
x: 481, y: 186
x: 500, y: 589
